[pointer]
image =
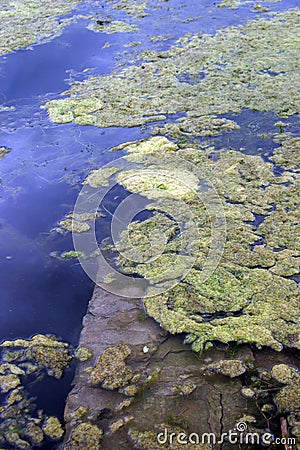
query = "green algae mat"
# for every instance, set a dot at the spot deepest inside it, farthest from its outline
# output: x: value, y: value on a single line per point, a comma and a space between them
x: 254, y: 66
x: 252, y: 295
x: 25, y: 23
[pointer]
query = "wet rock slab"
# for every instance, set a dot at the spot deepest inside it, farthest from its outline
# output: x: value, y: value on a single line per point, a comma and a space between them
x: 141, y: 380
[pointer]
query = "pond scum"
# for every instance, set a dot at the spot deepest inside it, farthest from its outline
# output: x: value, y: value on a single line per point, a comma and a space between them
x: 252, y: 296
x: 25, y: 23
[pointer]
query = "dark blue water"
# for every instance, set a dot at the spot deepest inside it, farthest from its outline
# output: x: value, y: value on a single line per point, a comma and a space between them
x: 43, y: 69
x: 41, y: 177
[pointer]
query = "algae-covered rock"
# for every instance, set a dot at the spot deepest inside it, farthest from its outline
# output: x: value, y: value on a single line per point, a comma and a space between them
x: 52, y: 428
x: 247, y: 392
x: 166, y: 437
x: 288, y: 398
x: 84, y: 436
x: 111, y: 370
x: 24, y: 23
x: 229, y: 367
x: 83, y: 353
x: 184, y: 388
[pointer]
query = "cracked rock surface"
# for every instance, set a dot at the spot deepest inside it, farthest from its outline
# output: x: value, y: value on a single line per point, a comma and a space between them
x: 149, y: 382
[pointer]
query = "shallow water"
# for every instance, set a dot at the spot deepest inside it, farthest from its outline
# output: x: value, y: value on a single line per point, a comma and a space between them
x: 40, y: 178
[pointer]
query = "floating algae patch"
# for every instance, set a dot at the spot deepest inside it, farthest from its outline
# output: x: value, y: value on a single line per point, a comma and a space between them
x: 4, y: 151
x: 53, y: 428
x: 115, y: 26
x: 25, y: 22
x: 261, y: 73
x: 21, y: 426
x: 203, y: 126
x: 74, y: 225
x: 71, y: 254
x: 136, y: 8
x: 100, y: 177
x: 248, y: 297
x: 79, y: 222
x: 42, y: 351
x: 79, y: 110
x: 288, y: 154
x: 234, y: 4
